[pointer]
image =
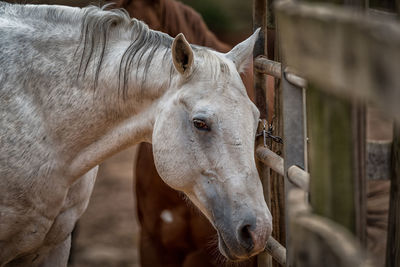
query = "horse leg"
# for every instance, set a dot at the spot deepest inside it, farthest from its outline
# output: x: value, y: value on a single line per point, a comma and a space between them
x: 75, y: 204
x: 59, y: 255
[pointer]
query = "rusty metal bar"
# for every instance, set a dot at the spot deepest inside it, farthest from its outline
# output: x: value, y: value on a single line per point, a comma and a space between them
x: 293, y: 138
x: 319, y: 241
x: 299, y: 177
x: 270, y: 158
x: 296, y: 175
x: 294, y: 79
x: 276, y: 250
x: 266, y: 66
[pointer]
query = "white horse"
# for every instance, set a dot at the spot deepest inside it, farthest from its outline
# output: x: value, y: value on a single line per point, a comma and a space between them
x: 78, y: 85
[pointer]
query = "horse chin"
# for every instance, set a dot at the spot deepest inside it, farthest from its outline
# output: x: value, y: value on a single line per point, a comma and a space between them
x: 226, y: 252
x: 223, y: 248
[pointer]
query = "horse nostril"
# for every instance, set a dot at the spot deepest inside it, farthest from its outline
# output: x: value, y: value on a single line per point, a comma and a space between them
x: 245, y: 237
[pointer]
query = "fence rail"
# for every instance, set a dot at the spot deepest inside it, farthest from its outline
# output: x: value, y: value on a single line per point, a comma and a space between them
x: 266, y: 66
x: 276, y: 250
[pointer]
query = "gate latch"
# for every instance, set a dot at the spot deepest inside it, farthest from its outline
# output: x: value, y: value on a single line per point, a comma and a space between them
x: 266, y: 132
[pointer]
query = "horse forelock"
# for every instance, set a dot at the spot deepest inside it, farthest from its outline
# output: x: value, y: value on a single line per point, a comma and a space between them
x: 211, y: 66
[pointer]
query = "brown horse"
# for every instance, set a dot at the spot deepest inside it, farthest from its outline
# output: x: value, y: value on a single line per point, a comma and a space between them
x: 173, y: 233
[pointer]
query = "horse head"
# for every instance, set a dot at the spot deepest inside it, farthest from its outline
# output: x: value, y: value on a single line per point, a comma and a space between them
x: 203, y: 143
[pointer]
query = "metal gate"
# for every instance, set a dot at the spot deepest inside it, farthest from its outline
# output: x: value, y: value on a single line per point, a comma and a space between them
x: 349, y: 55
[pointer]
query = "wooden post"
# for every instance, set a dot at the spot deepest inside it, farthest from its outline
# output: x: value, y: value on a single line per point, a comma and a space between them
x: 260, y: 90
x: 393, y: 237
x: 277, y: 182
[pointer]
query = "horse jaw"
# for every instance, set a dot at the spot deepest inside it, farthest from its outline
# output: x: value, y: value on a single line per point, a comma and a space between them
x: 213, y: 164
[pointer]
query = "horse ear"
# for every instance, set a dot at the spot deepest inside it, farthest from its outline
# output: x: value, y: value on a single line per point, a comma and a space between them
x: 182, y: 54
x: 242, y: 53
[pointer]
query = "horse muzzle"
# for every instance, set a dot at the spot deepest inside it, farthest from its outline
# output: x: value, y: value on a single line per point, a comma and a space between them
x: 245, y: 240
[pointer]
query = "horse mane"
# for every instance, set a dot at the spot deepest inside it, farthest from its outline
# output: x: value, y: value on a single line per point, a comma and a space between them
x: 97, y: 24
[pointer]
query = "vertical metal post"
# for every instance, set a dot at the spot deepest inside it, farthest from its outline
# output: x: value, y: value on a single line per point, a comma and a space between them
x: 293, y: 139
x: 260, y: 90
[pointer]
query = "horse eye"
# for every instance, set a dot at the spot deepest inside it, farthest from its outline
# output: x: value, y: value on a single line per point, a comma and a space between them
x: 201, y: 125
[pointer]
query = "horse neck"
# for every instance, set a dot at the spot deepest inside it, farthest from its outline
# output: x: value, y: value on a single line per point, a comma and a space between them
x: 116, y: 107
x: 62, y: 85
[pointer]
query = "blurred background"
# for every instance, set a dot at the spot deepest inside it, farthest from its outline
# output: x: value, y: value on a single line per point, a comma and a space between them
x: 228, y: 19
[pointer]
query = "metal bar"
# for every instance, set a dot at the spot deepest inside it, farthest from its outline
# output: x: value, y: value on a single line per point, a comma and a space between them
x: 293, y: 138
x: 263, y: 65
x: 276, y: 250
x: 299, y: 177
x: 270, y: 158
x: 295, y: 80
x: 320, y: 241
x: 296, y: 175
x: 266, y: 66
